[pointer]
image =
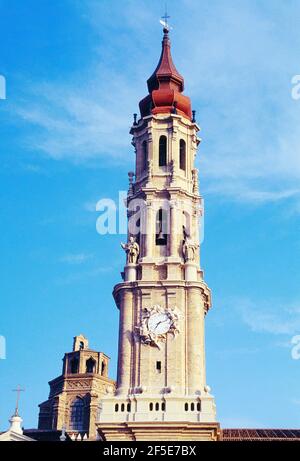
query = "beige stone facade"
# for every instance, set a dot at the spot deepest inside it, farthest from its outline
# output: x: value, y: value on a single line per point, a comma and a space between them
x: 163, y: 299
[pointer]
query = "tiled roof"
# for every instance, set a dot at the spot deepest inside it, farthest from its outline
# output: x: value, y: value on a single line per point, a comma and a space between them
x: 232, y: 435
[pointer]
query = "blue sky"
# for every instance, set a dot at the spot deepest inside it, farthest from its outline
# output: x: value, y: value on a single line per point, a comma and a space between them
x: 75, y: 71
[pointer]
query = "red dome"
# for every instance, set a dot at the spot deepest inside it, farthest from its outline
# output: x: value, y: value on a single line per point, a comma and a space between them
x: 165, y: 87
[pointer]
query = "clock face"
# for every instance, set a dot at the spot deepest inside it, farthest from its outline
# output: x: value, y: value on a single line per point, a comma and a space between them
x: 159, y: 323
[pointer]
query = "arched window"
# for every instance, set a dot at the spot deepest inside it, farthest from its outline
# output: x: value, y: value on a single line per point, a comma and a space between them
x: 77, y: 415
x: 161, y: 227
x: 151, y: 406
x: 74, y: 365
x: 162, y: 151
x: 144, y: 155
x: 81, y: 345
x: 116, y: 407
x: 182, y: 155
x: 123, y: 407
x: 163, y: 406
x: 186, y: 407
x: 90, y: 365
x: 128, y: 408
x: 157, y: 406
x: 198, y: 406
x: 192, y: 406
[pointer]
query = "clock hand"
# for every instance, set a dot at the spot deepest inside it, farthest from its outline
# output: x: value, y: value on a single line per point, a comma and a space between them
x: 163, y: 321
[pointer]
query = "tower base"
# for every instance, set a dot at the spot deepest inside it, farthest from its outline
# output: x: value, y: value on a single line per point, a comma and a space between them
x: 155, y: 431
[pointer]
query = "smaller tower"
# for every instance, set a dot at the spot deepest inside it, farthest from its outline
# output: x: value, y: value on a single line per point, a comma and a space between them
x: 74, y: 399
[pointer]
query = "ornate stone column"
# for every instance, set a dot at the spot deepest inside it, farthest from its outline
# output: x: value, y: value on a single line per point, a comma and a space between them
x: 149, y: 230
x: 195, y: 341
x: 195, y: 227
x: 94, y: 407
x: 173, y: 228
x: 125, y: 341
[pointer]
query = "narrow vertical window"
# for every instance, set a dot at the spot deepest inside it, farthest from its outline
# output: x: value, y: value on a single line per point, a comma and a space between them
x: 182, y: 155
x: 151, y: 406
x: 162, y: 151
x: 144, y: 156
x: 157, y: 407
x: 158, y: 367
x: 163, y: 406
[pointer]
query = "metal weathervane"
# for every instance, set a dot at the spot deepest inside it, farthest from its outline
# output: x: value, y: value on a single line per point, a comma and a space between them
x: 164, y: 21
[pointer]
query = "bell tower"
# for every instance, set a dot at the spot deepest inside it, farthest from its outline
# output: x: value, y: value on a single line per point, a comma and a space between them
x: 161, y: 392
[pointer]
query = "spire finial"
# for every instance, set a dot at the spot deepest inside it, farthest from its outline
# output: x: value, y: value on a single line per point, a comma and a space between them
x: 18, y: 391
x: 164, y: 21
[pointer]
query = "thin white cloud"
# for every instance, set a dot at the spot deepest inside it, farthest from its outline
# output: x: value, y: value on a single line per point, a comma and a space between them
x: 32, y: 168
x: 77, y: 258
x: 83, y: 275
x: 90, y: 206
x: 238, y: 351
x: 271, y: 318
x: 238, y: 73
x: 240, y: 191
x: 71, y: 125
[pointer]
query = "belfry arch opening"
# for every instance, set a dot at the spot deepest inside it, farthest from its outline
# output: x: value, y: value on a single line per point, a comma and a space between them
x: 161, y: 238
x: 74, y: 365
x: 182, y: 155
x: 144, y: 162
x: 103, y: 369
x: 162, y: 160
x: 90, y: 365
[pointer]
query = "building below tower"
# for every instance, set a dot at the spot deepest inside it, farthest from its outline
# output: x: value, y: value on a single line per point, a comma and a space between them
x: 75, y: 396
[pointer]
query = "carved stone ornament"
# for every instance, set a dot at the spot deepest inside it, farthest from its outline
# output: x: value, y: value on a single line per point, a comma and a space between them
x: 150, y: 169
x: 80, y: 384
x: 189, y: 249
x: 156, y: 323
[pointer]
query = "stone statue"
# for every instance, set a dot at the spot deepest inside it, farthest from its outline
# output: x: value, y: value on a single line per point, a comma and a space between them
x: 189, y: 249
x: 132, y: 249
